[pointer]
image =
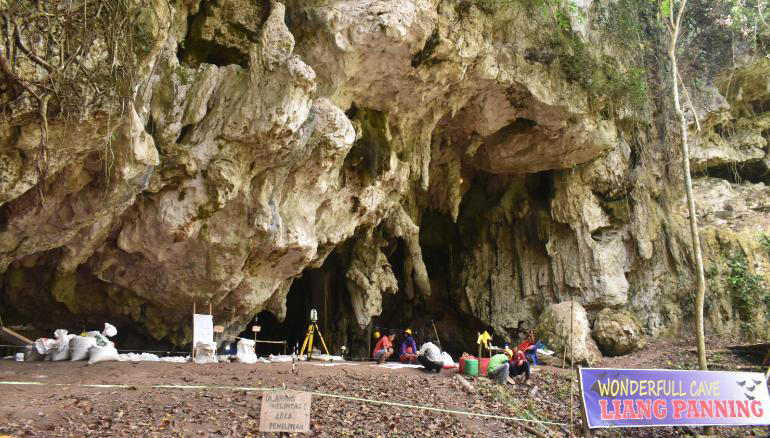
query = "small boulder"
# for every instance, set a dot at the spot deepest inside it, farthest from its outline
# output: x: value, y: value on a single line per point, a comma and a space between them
x: 554, y: 327
x: 617, y: 332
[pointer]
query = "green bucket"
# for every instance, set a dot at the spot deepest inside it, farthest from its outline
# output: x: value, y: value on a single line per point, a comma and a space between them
x: 472, y: 367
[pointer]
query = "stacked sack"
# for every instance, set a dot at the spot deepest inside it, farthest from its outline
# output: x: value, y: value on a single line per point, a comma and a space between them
x: 94, y: 346
x: 104, y: 349
x: 56, y: 349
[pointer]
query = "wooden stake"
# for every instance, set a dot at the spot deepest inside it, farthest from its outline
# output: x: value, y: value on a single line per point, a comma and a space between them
x: 435, y: 332
x: 192, y: 353
x: 586, y: 430
x: 571, y: 359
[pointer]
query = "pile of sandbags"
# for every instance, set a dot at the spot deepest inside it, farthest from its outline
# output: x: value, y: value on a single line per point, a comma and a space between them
x: 93, y: 346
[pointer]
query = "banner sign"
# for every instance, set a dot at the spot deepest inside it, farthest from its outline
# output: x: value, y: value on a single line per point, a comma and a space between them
x: 637, y: 398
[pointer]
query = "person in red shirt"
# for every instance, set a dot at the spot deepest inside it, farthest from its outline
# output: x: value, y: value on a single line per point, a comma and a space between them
x: 529, y: 347
x: 519, y: 365
x: 384, y: 349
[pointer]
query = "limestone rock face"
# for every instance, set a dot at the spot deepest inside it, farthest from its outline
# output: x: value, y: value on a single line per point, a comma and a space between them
x: 460, y: 162
x: 553, y: 328
x: 617, y: 332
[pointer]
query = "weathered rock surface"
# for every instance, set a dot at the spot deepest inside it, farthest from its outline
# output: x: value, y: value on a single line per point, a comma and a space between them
x: 617, y: 332
x: 444, y: 160
x: 554, y: 326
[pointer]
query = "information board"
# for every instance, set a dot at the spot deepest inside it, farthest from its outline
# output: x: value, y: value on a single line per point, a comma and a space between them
x: 285, y: 411
x: 638, y: 398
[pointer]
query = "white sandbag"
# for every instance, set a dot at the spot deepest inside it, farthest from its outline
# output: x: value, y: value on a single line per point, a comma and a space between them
x: 59, y: 355
x: 45, y: 345
x: 79, y: 346
x: 245, y: 348
x: 109, y: 330
x: 205, y: 352
x: 447, y: 359
x: 60, y: 350
x: 102, y: 354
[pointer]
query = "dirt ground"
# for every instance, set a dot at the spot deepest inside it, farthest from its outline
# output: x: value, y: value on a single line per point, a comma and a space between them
x: 60, y: 406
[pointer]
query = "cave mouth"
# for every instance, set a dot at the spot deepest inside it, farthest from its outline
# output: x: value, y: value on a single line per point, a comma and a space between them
x: 753, y: 172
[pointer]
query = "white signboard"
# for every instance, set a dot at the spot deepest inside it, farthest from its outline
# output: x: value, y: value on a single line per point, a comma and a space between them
x: 285, y: 411
x: 204, y: 328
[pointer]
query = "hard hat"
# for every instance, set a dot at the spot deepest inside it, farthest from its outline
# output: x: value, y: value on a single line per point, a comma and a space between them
x: 509, y: 353
x: 408, y: 331
x: 376, y: 335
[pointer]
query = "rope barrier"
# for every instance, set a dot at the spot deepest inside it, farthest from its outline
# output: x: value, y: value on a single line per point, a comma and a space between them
x: 316, y: 393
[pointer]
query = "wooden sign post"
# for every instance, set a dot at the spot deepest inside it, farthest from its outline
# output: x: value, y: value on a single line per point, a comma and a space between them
x: 285, y: 411
x: 586, y: 430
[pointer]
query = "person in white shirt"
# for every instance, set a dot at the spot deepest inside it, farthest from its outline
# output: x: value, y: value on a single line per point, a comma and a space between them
x: 429, y: 356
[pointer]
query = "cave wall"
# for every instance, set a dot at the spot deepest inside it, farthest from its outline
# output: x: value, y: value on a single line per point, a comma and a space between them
x: 451, y: 158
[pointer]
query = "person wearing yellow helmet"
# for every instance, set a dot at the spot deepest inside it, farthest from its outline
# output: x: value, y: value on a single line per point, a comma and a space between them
x: 408, y: 348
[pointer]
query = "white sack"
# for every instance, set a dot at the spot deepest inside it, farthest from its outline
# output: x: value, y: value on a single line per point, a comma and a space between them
x: 447, y: 359
x: 102, y: 354
x: 61, y: 348
x: 45, y: 345
x: 205, y: 352
x: 79, y: 346
x: 109, y: 330
x: 246, y: 351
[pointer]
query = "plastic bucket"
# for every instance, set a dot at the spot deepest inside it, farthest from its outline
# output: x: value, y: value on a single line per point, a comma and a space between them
x: 472, y: 367
x: 483, y: 365
x: 462, y: 363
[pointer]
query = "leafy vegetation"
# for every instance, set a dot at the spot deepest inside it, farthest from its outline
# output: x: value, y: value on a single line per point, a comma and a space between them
x: 747, y: 290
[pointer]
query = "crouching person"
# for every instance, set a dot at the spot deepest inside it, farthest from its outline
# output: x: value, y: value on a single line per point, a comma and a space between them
x: 429, y: 356
x: 408, y: 348
x: 384, y: 348
x: 498, y: 366
x: 519, y: 365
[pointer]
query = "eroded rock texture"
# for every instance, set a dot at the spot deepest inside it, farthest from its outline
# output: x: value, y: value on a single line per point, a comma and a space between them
x: 446, y: 156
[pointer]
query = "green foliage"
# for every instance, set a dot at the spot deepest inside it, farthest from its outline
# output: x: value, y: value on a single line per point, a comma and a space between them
x: 748, y: 290
x: 751, y: 20
x: 665, y: 8
x: 764, y: 240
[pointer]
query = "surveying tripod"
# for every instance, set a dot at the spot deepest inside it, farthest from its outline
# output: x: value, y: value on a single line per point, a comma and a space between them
x: 311, y: 329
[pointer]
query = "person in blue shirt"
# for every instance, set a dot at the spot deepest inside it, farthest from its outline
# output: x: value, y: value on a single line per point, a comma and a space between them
x: 408, y: 348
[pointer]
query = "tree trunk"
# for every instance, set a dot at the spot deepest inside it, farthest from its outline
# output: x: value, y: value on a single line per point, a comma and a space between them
x: 700, y: 284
